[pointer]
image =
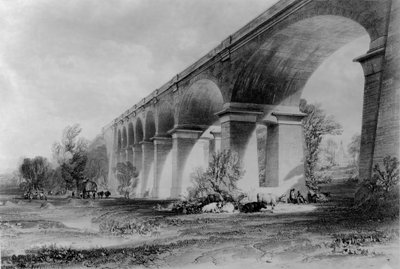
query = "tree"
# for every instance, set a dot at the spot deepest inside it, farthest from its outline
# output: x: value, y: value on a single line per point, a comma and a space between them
x: 35, y: 172
x: 127, y: 176
x: 354, y: 147
x: 97, y: 163
x: 71, y: 155
x: 223, y: 172
x: 316, y: 124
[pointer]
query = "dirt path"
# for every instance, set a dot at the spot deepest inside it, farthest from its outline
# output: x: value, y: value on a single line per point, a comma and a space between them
x: 294, y: 236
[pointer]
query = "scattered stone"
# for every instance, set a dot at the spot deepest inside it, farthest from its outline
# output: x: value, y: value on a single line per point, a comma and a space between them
x: 47, y: 205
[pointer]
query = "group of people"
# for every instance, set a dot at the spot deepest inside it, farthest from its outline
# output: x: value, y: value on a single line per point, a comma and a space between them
x: 100, y: 194
x: 296, y: 198
x: 35, y: 194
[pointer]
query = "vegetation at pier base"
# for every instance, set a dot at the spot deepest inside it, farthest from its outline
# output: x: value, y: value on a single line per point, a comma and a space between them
x: 379, y: 195
x: 127, y: 176
x: 217, y: 183
x: 316, y: 125
x: 221, y: 177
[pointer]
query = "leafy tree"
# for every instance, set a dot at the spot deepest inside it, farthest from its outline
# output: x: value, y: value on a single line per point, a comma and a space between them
x: 354, y: 147
x: 97, y: 164
x: 55, y: 181
x: 71, y: 155
x: 223, y: 172
x: 127, y: 176
x: 316, y: 124
x: 35, y: 172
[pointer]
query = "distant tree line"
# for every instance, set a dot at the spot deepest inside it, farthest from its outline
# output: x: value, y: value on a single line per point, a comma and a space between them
x: 76, y: 160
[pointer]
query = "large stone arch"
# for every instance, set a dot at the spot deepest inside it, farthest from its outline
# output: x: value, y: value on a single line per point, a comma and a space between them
x: 196, y: 112
x: 278, y: 70
x: 278, y: 66
x: 199, y: 104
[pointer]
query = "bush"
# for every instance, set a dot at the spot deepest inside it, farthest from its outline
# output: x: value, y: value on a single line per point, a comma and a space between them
x: 379, y: 196
x: 221, y: 177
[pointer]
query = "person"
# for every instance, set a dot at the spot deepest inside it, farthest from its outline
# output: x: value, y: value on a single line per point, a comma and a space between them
x: 300, y: 198
x: 311, y: 196
x: 73, y: 194
x: 292, y: 197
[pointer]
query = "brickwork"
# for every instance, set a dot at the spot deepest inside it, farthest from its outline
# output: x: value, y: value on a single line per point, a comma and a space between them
x: 387, y: 140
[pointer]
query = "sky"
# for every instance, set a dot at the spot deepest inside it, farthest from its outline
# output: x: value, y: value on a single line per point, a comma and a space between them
x: 87, y: 61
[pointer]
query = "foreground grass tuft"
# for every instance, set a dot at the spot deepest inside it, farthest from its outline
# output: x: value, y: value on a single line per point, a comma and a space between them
x: 146, y: 256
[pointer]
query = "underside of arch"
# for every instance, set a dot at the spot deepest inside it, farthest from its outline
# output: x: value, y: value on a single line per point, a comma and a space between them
x: 199, y: 104
x: 124, y: 138
x: 119, y: 139
x: 165, y: 119
x: 131, y: 135
x: 138, y: 131
x: 150, y: 126
x: 278, y: 70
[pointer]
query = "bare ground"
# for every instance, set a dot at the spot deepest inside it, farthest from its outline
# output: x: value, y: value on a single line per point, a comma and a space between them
x: 328, y: 235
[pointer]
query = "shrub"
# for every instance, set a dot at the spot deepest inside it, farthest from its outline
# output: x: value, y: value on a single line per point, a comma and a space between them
x: 380, y: 194
x: 221, y: 176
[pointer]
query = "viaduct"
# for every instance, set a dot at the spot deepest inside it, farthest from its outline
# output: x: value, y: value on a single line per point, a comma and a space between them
x: 256, y: 76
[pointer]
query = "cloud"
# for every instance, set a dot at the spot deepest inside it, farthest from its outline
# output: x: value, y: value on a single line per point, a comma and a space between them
x: 87, y: 61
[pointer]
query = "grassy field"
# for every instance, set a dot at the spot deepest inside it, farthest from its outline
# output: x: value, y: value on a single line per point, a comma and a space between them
x: 119, y: 233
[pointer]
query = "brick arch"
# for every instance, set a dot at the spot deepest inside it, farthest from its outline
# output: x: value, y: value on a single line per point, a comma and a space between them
x: 165, y: 118
x: 139, y: 132
x: 278, y: 69
x: 124, y: 141
x: 131, y: 134
x: 199, y: 104
x: 150, y: 126
x: 119, y: 140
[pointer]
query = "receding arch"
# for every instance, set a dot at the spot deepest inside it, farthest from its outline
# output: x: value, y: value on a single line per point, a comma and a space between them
x: 150, y: 126
x: 119, y: 140
x: 200, y: 103
x: 166, y: 119
x: 278, y: 70
x: 124, y: 138
x: 138, y: 131
x: 131, y: 135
